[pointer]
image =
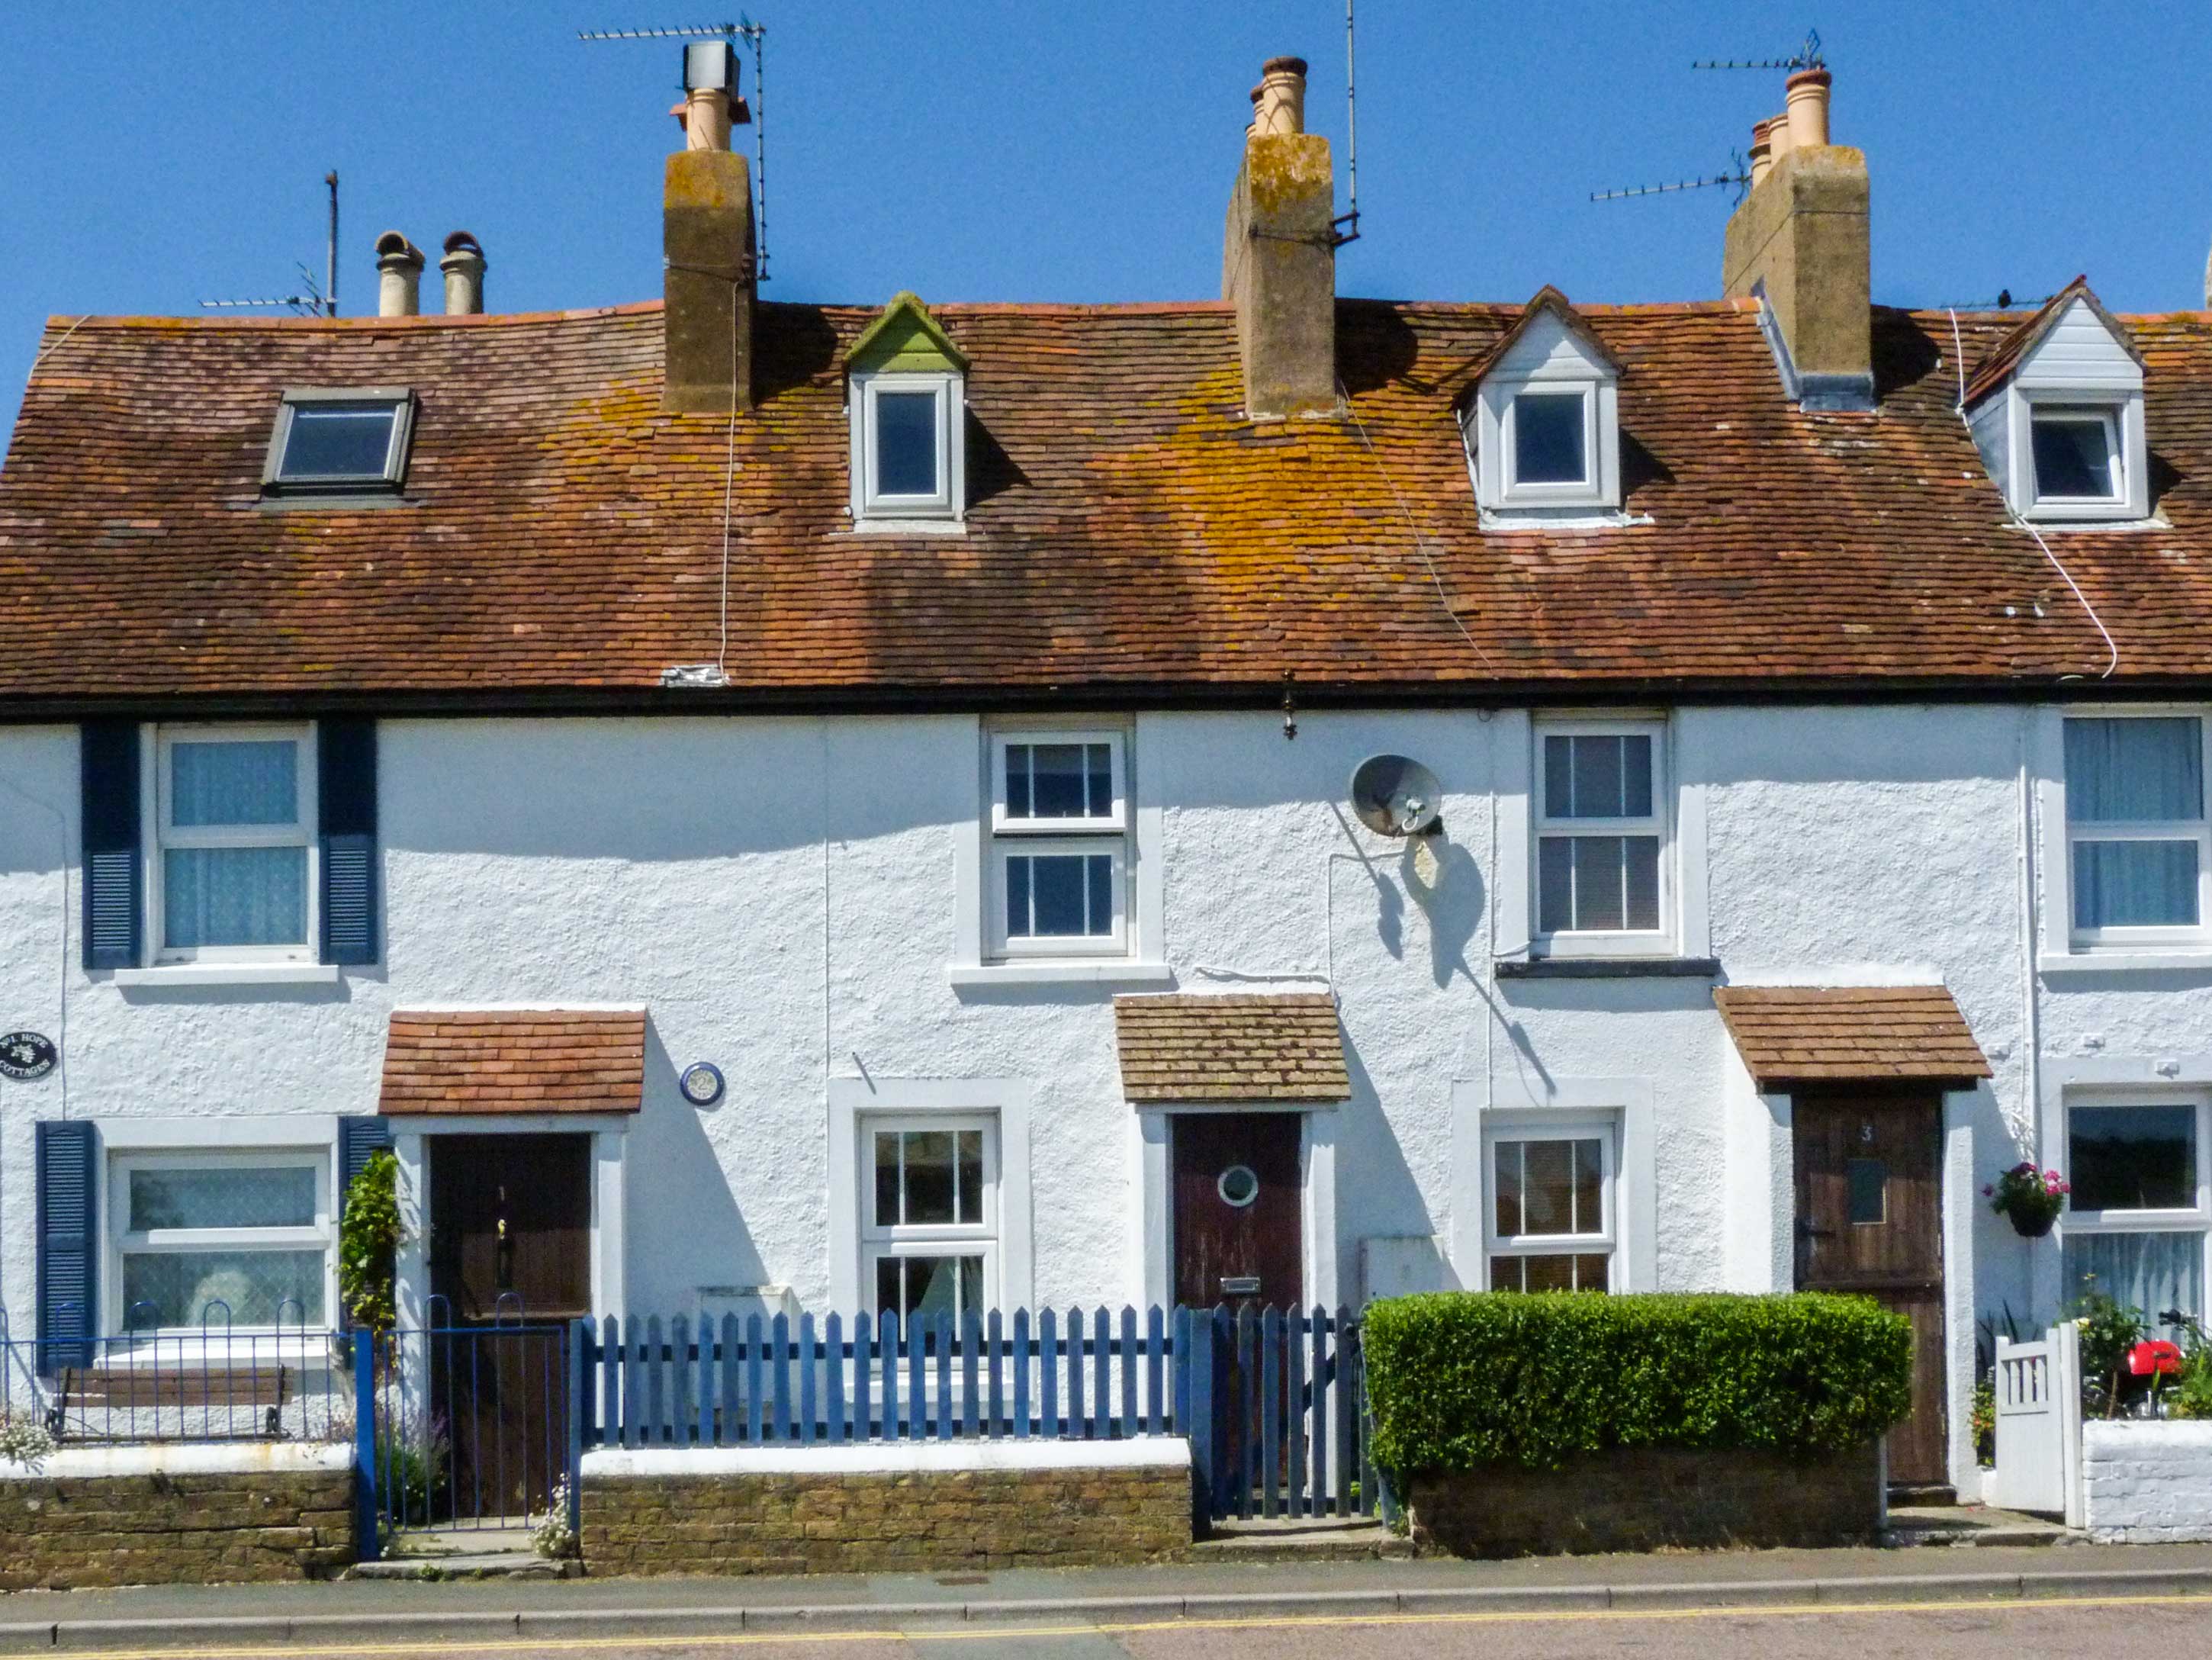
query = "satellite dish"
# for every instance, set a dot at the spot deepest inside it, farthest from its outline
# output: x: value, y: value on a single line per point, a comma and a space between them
x: 1397, y: 796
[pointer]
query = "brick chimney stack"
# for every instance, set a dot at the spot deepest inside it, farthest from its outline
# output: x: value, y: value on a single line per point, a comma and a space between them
x: 1801, y: 240
x: 707, y: 241
x: 1279, y: 253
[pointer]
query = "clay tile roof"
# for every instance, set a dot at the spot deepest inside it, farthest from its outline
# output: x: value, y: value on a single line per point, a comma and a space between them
x: 1256, y: 1046
x: 1863, y: 1034
x: 1996, y: 367
x: 1130, y: 539
x: 524, y: 1060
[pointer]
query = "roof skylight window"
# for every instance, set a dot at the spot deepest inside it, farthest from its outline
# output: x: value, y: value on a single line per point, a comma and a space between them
x: 908, y: 410
x: 344, y: 441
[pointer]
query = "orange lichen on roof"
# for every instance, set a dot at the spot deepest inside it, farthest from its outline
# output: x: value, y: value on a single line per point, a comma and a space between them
x: 1130, y: 534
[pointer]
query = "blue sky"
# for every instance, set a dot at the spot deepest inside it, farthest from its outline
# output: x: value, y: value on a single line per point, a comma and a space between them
x: 159, y: 154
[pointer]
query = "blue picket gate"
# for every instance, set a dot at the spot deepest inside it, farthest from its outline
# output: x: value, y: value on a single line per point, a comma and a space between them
x: 1270, y: 1400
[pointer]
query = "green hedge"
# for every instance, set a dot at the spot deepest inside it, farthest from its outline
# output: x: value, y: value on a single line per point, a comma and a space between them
x: 1461, y: 1379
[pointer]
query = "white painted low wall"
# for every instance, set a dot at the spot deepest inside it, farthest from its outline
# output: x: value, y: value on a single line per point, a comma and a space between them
x: 2147, y: 1482
x: 891, y: 1457
x: 219, y: 1458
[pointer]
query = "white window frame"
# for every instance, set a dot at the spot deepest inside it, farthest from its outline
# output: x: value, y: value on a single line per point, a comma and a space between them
x: 160, y: 835
x: 948, y: 503
x: 1624, y: 942
x: 401, y: 402
x: 2121, y: 408
x: 879, y: 1241
x: 121, y: 1240
x: 2111, y: 418
x: 2196, y: 1218
x: 1538, y: 492
x: 1014, y: 837
x: 2199, y: 830
x: 1507, y: 1128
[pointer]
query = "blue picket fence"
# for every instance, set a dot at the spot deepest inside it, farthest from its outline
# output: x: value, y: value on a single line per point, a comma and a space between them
x: 1272, y: 1399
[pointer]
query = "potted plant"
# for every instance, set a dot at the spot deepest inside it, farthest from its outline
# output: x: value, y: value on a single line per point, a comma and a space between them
x: 2029, y: 1197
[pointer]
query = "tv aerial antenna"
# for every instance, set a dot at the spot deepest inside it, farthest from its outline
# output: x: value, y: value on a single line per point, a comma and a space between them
x: 1807, y: 57
x: 755, y: 35
x: 314, y: 300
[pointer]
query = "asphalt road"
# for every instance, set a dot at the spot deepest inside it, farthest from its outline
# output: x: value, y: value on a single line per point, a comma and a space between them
x: 2119, y: 1626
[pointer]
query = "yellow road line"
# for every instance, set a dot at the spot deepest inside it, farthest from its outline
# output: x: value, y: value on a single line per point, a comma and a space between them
x: 981, y: 1631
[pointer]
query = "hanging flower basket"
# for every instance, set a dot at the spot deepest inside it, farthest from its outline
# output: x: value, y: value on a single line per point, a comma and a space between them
x: 2029, y: 1198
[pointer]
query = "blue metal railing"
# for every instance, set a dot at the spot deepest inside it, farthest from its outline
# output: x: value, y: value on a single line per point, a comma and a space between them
x: 214, y: 1383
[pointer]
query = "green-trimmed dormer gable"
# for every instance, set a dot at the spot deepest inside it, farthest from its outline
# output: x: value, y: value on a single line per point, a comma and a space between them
x: 905, y: 338
x: 909, y: 415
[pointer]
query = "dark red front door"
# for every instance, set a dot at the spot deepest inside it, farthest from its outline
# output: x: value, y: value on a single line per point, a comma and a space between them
x: 1236, y: 1209
x: 511, y: 1226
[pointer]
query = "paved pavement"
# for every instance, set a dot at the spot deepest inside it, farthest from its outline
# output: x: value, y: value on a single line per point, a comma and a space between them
x: 1592, y: 1604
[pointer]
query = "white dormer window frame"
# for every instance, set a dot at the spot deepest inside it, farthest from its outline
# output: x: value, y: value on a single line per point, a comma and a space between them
x: 2078, y: 368
x: 946, y: 501
x: 1498, y: 484
x: 2119, y: 411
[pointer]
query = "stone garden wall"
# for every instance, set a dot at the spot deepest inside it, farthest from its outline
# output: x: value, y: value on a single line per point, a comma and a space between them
x: 175, y: 1515
x: 1650, y: 1499
x: 866, y: 1508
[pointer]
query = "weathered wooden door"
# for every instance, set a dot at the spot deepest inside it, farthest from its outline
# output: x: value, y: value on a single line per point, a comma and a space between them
x: 510, y: 1251
x: 1237, y: 1214
x: 511, y: 1220
x: 1869, y: 1220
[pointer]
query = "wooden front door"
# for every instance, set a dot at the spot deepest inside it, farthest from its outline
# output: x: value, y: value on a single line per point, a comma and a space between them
x: 1869, y: 1220
x: 511, y: 1226
x: 510, y: 1252
x: 1237, y: 1214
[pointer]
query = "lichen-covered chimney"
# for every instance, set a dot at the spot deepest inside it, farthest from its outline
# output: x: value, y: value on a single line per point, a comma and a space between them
x: 1279, y: 253
x: 398, y: 276
x: 1801, y: 240
x: 707, y: 240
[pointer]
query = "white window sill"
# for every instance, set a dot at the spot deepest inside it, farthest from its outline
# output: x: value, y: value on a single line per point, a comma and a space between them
x: 2126, y: 962
x: 230, y: 974
x: 908, y: 527
x: 1046, y: 972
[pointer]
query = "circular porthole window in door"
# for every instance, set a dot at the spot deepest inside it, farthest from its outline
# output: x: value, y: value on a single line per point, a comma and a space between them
x: 1238, y: 1186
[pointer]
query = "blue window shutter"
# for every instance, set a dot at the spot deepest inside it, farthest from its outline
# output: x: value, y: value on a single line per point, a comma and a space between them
x: 360, y: 1139
x: 115, y: 875
x: 69, y: 1255
x: 345, y: 776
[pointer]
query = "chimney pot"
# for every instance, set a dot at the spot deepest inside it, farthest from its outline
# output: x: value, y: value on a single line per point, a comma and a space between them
x: 1808, y: 114
x: 1761, y: 157
x: 1279, y: 102
x: 463, y: 268
x: 398, y: 276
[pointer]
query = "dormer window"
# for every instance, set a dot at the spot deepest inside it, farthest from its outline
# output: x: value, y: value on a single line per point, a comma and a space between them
x: 1551, y: 442
x: 1542, y: 424
x: 340, y: 441
x: 2056, y: 411
x: 2076, y: 455
x: 908, y: 413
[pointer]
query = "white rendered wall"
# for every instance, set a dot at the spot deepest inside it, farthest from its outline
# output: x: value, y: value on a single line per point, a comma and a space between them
x: 779, y: 893
x: 2146, y: 1483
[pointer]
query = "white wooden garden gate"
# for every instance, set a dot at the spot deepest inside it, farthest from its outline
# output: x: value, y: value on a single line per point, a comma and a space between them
x: 2038, y: 1403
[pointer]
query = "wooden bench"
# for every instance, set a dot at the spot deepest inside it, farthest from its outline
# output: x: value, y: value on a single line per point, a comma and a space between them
x: 193, y: 1402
